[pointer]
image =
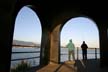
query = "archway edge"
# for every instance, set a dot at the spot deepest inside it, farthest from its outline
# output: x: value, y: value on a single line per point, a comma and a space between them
x: 62, y: 18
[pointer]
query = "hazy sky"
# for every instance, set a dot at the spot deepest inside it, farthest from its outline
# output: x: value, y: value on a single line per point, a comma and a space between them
x: 28, y: 28
x: 80, y: 29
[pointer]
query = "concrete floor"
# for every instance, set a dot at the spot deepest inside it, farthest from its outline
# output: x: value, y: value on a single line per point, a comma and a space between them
x: 90, y: 65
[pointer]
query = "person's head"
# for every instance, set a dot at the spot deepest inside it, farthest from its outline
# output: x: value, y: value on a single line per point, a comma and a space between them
x: 70, y: 40
x: 83, y: 42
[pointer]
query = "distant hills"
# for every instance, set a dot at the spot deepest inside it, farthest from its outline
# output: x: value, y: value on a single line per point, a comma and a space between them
x: 25, y: 43
x: 18, y: 42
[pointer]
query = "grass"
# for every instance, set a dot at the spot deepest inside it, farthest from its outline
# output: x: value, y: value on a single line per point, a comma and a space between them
x: 22, y: 67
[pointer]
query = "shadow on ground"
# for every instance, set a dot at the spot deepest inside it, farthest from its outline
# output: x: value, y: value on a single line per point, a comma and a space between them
x: 90, y: 65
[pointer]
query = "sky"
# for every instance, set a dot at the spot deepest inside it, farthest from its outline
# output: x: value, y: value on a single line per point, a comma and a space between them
x: 28, y: 28
x: 80, y: 29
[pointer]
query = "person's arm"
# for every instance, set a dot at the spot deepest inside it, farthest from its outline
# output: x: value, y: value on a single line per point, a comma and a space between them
x: 86, y: 46
x: 81, y: 46
x: 73, y: 45
x: 67, y: 45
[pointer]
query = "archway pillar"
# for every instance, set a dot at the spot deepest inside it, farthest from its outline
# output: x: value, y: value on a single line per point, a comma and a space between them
x: 6, y: 36
x: 45, y: 47
x: 55, y: 45
x: 103, y: 47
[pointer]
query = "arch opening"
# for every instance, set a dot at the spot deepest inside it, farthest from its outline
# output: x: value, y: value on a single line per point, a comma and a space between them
x: 26, y: 38
x: 79, y: 29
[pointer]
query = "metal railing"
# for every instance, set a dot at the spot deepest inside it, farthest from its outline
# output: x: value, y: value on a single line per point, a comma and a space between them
x: 95, y: 52
x: 25, y: 53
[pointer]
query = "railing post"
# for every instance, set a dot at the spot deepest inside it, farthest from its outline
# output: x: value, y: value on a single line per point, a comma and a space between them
x: 95, y: 53
x: 77, y: 54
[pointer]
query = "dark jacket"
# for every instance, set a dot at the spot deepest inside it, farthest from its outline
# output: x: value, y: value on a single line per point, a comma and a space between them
x: 84, y: 46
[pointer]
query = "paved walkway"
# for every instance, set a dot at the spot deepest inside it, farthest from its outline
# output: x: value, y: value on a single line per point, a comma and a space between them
x: 67, y: 66
x: 91, y: 65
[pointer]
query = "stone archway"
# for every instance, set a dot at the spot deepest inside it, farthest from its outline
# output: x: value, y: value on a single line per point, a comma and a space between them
x: 78, y: 29
x: 55, y: 33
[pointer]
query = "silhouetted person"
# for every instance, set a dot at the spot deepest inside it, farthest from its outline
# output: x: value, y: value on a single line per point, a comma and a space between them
x: 84, y: 50
x: 71, y: 48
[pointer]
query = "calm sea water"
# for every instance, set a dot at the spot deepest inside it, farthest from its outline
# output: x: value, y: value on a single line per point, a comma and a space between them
x: 35, y: 61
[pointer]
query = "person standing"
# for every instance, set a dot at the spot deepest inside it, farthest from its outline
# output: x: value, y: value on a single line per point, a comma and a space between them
x: 71, y: 48
x: 84, y: 50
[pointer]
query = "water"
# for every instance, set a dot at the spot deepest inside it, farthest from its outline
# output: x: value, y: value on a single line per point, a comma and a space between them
x: 90, y: 54
x: 32, y: 62
x: 35, y: 61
